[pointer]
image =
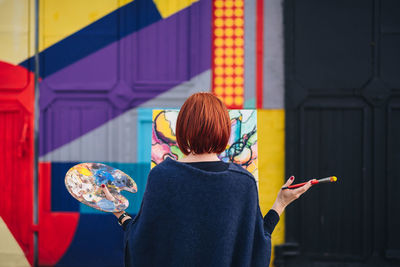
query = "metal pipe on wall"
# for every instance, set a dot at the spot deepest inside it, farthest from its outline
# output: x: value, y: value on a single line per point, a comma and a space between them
x: 36, y: 142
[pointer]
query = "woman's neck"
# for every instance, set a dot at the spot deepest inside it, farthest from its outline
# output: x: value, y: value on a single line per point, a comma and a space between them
x: 200, y: 157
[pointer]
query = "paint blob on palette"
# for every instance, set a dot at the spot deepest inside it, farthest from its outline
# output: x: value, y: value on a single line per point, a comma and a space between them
x: 83, y: 182
x: 241, y: 148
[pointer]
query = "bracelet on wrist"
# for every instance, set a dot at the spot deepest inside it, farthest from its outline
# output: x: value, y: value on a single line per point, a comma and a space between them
x: 123, y: 215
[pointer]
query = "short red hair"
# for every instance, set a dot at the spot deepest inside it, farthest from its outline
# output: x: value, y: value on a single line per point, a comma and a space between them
x: 203, y: 125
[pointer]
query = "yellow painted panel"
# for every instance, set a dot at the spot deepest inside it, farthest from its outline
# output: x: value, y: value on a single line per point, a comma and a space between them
x: 271, y: 164
x: 11, y: 255
x: 16, y: 30
x: 170, y: 7
x: 61, y: 18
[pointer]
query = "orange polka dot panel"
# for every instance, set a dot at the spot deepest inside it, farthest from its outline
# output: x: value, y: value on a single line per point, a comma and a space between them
x: 228, y: 52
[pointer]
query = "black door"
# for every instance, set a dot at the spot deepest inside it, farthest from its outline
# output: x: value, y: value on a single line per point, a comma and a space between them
x: 342, y: 74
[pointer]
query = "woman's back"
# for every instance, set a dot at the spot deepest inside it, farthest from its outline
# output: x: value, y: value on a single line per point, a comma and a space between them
x: 192, y: 217
x: 195, y: 217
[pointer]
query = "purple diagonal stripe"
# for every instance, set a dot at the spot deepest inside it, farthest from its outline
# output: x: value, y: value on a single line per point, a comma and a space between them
x: 123, y: 75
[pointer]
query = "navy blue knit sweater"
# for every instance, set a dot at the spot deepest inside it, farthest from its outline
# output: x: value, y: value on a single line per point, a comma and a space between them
x: 192, y: 217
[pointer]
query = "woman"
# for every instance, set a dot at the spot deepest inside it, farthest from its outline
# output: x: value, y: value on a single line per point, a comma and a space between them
x: 200, y: 211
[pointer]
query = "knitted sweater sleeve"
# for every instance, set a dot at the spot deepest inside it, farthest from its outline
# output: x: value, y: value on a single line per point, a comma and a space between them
x: 271, y: 219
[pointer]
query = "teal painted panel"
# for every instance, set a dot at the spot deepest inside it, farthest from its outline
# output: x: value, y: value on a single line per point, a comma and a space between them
x: 250, y: 103
x: 144, y: 131
x: 86, y: 209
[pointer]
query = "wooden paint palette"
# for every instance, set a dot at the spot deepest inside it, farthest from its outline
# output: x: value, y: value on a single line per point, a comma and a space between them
x: 83, y: 182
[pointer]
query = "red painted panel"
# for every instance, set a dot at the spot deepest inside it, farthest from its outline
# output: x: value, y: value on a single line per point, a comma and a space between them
x: 14, y: 77
x: 16, y: 177
x: 57, y: 229
x: 16, y: 153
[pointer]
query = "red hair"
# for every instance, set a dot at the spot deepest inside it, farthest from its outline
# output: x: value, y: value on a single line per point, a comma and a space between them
x: 203, y: 125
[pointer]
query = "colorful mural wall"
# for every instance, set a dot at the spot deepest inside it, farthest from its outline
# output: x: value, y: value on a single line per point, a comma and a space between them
x: 103, y: 66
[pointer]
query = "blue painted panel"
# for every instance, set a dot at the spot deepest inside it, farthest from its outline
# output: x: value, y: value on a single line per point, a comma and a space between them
x: 98, y: 241
x: 61, y: 200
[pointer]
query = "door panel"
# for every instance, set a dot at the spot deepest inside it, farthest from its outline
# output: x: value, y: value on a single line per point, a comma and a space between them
x: 16, y: 122
x: 393, y: 196
x: 332, y: 135
x: 16, y: 173
x: 342, y: 119
x: 330, y: 46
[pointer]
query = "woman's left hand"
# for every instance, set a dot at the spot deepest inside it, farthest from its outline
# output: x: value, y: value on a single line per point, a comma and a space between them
x: 287, y: 196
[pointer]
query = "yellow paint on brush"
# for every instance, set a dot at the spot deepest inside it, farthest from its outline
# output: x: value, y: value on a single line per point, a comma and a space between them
x: 170, y: 7
x: 271, y: 164
x: 333, y: 179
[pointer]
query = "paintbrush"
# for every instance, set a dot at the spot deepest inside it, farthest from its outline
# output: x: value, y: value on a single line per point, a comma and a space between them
x: 330, y: 179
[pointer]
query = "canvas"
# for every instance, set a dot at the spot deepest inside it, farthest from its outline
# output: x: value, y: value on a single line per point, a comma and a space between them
x: 241, y: 148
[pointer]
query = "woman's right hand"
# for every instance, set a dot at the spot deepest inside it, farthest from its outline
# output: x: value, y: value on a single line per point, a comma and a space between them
x: 287, y: 196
